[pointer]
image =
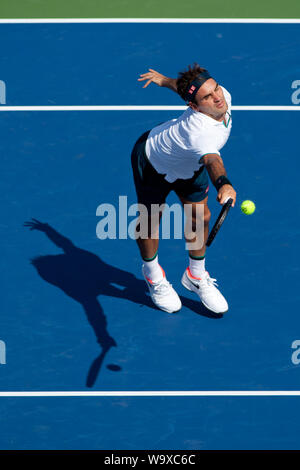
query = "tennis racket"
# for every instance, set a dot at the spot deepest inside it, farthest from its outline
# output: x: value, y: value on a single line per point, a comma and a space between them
x: 222, y: 216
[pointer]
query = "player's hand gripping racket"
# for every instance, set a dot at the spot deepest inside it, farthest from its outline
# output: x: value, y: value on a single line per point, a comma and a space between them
x: 222, y: 216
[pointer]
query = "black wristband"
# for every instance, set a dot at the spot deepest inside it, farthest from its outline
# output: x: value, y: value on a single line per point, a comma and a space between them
x: 221, y: 181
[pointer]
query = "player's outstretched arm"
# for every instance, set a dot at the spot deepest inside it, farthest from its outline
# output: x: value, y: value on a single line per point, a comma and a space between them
x: 161, y: 80
x: 217, y: 173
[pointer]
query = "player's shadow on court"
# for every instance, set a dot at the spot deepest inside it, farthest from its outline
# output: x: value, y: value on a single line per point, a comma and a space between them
x: 83, y: 276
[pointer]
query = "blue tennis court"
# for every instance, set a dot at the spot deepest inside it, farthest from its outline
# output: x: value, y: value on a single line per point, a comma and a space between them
x: 76, y: 314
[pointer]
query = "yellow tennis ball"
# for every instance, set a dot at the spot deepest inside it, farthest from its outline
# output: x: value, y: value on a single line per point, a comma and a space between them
x: 248, y: 207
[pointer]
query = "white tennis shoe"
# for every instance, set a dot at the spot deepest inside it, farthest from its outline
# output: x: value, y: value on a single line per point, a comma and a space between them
x: 163, y: 295
x: 206, y: 289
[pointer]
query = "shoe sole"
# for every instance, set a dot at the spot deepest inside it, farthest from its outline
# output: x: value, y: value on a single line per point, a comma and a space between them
x: 187, y: 285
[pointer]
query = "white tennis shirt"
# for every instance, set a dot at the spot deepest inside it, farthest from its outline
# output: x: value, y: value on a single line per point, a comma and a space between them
x: 175, y: 147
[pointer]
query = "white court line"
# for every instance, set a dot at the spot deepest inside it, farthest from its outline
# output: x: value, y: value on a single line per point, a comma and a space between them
x: 150, y: 20
x: 209, y: 393
x: 138, y: 108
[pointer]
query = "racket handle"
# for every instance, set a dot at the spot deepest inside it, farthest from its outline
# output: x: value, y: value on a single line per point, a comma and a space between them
x: 228, y: 199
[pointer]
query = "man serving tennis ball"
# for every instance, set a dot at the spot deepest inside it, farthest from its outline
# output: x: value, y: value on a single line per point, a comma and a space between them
x: 179, y: 155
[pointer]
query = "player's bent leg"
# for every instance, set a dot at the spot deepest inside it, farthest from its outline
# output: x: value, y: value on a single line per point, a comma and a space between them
x: 161, y: 291
x: 148, y: 242
x: 196, y: 278
x: 193, y: 212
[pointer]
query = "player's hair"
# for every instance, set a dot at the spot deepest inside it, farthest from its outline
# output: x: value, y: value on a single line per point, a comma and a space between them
x: 187, y: 76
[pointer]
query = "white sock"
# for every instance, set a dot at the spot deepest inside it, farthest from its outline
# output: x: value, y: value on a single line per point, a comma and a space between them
x: 197, y: 267
x: 153, y: 270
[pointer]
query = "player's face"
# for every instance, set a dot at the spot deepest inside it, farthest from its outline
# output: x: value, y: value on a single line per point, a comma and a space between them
x: 210, y: 100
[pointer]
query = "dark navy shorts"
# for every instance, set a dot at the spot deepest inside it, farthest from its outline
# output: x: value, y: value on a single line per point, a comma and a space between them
x: 151, y: 186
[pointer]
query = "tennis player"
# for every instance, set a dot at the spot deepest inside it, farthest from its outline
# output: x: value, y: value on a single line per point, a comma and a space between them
x: 179, y: 155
